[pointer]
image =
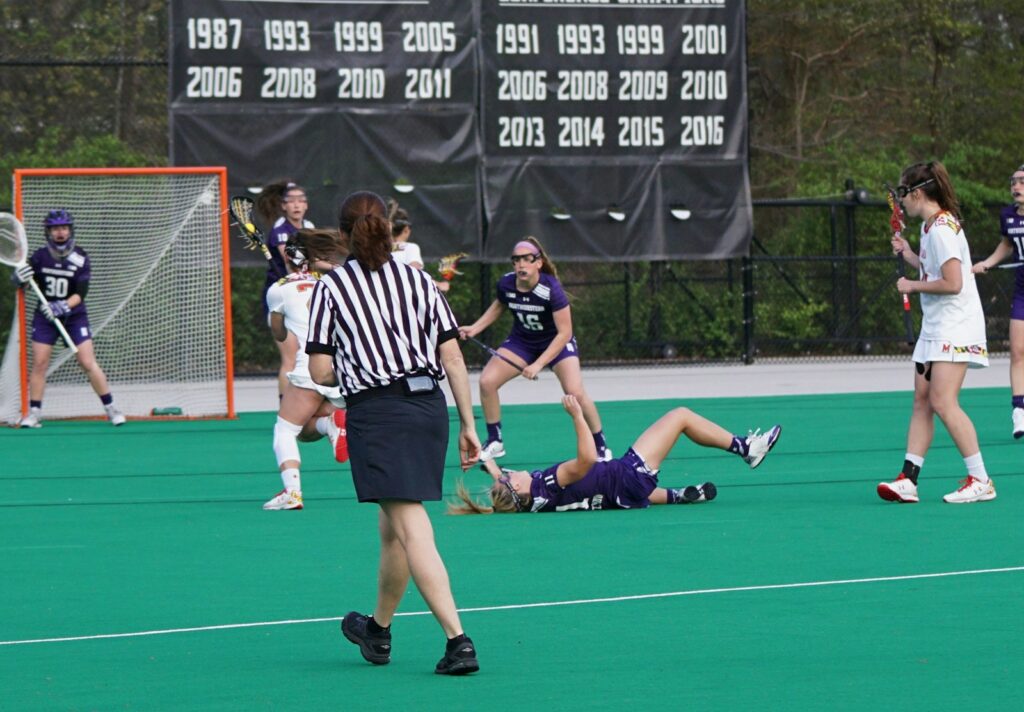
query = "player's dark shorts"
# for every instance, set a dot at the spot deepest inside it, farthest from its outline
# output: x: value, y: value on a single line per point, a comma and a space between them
x: 635, y: 480
x: 77, y: 326
x: 397, y: 446
x: 529, y: 352
x: 1017, y: 309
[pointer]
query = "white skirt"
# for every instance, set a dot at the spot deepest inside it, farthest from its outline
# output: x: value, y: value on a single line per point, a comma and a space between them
x: 974, y: 355
x: 301, y: 379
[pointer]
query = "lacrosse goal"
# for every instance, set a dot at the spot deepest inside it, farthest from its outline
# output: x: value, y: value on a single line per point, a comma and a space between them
x: 159, y: 301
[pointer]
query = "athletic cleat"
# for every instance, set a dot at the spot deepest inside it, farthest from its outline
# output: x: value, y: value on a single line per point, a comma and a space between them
x: 902, y: 490
x: 336, y: 432
x: 760, y: 444
x: 32, y: 420
x: 491, y: 450
x: 116, y: 417
x: 605, y: 455
x: 460, y: 660
x: 704, y: 492
x: 375, y: 648
x: 284, y: 500
x: 972, y: 490
x: 1018, y: 423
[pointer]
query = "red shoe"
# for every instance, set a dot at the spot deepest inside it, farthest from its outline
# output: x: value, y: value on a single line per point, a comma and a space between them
x: 336, y: 432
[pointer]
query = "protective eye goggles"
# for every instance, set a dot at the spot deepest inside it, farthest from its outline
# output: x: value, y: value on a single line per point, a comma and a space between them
x: 904, y: 190
x: 1016, y: 180
x: 530, y: 258
x: 516, y: 499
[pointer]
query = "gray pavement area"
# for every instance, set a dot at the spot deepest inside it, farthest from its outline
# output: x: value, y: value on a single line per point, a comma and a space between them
x: 794, y: 377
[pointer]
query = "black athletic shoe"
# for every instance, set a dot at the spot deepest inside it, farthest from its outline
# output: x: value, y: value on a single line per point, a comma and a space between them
x: 375, y: 647
x: 701, y: 493
x: 459, y: 659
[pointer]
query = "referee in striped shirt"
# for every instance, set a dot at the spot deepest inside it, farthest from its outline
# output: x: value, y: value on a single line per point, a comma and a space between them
x: 383, y: 332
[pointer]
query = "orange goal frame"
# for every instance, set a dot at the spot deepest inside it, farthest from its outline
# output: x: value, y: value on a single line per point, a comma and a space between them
x: 222, y: 172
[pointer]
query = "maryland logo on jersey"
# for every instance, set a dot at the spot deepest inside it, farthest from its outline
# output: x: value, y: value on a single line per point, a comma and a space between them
x: 949, y: 220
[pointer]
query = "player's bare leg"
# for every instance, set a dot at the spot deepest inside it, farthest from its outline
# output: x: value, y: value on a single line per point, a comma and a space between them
x: 947, y: 379
x: 87, y: 360
x: 297, y: 406
x: 922, y: 417
x: 657, y: 441
x: 1017, y: 375
x: 40, y: 363
x: 571, y: 379
x: 286, y: 349
x: 495, y: 375
x: 310, y: 432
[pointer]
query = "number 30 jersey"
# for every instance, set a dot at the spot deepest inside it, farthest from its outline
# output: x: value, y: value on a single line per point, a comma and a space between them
x: 290, y: 297
x: 533, y: 312
x: 60, y: 277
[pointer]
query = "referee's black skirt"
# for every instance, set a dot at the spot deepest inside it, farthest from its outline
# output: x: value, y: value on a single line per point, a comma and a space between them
x: 397, y: 445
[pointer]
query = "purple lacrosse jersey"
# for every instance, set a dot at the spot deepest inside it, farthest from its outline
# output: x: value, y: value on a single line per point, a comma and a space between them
x: 623, y: 483
x: 533, y: 311
x: 1011, y: 225
x: 60, y: 277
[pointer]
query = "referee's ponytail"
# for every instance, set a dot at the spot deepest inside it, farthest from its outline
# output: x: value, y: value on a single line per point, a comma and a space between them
x: 363, y: 219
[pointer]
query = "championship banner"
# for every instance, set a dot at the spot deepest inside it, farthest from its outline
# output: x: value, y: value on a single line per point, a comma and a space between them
x: 609, y: 129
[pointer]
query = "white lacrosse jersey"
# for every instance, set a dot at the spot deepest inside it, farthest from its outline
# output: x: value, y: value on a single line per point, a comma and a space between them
x: 290, y: 297
x: 407, y: 253
x: 957, y: 318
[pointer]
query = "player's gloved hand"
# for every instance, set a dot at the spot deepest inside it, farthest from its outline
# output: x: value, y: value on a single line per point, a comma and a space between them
x: 22, y: 275
x: 59, y: 307
x: 44, y: 308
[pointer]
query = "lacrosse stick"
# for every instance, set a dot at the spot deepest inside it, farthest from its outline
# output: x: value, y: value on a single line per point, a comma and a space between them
x: 448, y: 267
x: 897, y: 223
x: 494, y: 353
x: 1010, y: 265
x: 241, y: 207
x: 14, y: 252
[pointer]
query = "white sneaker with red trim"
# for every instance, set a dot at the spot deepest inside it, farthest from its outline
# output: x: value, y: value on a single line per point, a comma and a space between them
x: 901, y: 490
x: 972, y: 490
x: 285, y: 500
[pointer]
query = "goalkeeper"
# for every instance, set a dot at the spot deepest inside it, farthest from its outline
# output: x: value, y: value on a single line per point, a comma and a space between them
x: 62, y: 270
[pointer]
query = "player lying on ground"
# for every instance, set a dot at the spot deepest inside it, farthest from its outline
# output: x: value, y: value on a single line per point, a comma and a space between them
x: 628, y: 482
x: 308, y: 412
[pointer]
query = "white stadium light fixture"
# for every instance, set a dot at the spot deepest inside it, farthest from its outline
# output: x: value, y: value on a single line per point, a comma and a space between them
x: 616, y: 213
x: 403, y: 186
x: 680, y: 213
x: 560, y: 214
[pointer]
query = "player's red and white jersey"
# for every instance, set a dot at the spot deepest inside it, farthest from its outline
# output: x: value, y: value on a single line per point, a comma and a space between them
x: 957, y: 318
x: 290, y: 297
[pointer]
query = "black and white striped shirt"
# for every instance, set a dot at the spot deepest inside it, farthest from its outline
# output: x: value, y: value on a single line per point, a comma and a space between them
x: 379, y: 326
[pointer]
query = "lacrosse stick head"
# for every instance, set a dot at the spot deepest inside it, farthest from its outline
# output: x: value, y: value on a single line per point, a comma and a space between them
x: 448, y: 267
x: 241, y: 207
x: 896, y: 220
x: 13, y: 241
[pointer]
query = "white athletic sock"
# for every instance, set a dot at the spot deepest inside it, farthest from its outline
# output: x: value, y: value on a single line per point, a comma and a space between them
x: 290, y: 479
x: 321, y: 425
x: 976, y: 467
x: 915, y: 459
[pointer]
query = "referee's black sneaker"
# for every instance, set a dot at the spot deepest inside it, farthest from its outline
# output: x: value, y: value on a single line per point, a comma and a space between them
x: 375, y: 647
x: 459, y: 657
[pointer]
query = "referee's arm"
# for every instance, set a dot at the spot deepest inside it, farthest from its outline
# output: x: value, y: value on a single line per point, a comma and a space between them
x: 458, y: 381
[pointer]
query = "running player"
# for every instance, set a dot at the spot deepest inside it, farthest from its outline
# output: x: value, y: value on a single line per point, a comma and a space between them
x: 62, y: 270
x: 628, y: 482
x: 952, y: 337
x: 541, y: 336
x: 1011, y: 225
x: 308, y: 412
x: 283, y: 206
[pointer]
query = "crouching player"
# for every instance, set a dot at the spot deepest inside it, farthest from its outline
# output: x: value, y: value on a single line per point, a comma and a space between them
x: 628, y: 482
x: 308, y: 411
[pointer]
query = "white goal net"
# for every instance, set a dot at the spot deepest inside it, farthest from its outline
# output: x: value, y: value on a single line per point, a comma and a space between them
x: 158, y: 301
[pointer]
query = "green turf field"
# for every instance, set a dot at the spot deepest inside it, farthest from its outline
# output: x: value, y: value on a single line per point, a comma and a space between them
x: 157, y: 527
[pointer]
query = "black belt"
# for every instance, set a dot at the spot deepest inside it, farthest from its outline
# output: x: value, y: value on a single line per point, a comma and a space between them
x: 395, y: 388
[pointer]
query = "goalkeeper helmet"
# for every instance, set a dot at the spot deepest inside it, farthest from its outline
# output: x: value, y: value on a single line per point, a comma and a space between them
x: 293, y: 249
x: 53, y: 219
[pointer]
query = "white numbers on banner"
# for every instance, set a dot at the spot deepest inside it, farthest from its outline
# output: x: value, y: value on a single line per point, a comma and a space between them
x: 702, y: 131
x: 214, y: 82
x: 643, y: 85
x: 582, y: 85
x: 361, y: 83
x: 580, y: 131
x: 214, y: 32
x: 701, y: 84
x: 640, y: 131
x: 517, y: 39
x: 518, y: 131
x: 428, y: 36
x: 358, y: 37
x: 428, y: 84
x: 286, y: 35
x: 56, y: 287
x: 641, y: 39
x: 522, y: 85
x: 289, y: 83
x: 703, y: 39
x: 580, y: 39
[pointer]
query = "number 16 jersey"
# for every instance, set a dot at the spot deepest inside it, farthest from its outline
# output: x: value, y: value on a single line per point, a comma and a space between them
x: 533, y: 312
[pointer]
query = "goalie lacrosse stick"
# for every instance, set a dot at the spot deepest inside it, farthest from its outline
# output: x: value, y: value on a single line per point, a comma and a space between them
x: 897, y: 223
x: 14, y: 252
x: 241, y: 207
x: 494, y: 353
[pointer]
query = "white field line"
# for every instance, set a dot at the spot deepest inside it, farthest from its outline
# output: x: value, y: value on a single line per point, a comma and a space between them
x: 545, y: 604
